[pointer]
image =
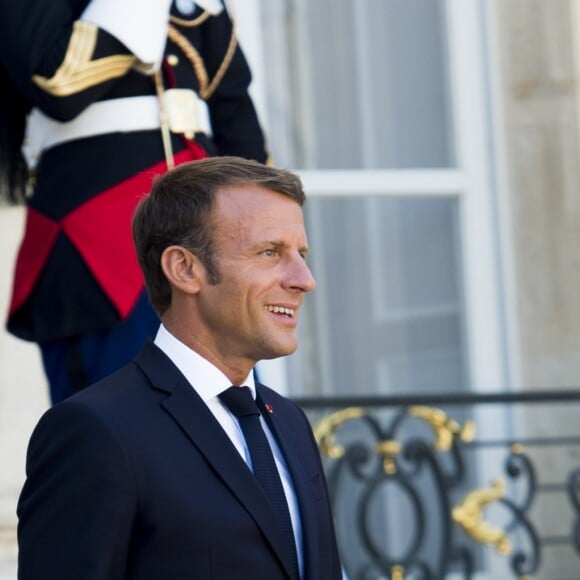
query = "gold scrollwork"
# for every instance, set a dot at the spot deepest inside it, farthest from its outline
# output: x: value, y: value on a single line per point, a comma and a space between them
x: 517, y: 448
x: 445, y: 428
x: 326, y: 427
x: 468, y: 514
x: 389, y: 449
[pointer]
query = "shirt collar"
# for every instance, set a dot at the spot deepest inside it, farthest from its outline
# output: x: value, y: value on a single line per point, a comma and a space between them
x: 207, y: 380
x: 214, y: 7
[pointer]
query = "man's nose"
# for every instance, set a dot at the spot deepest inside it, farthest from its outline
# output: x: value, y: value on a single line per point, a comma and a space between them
x: 299, y: 276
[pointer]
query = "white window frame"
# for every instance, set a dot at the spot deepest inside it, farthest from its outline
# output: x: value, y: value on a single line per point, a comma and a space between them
x: 470, y: 183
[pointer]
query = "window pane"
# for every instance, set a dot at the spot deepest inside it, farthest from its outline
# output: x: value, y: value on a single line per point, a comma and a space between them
x: 387, y: 315
x: 358, y: 84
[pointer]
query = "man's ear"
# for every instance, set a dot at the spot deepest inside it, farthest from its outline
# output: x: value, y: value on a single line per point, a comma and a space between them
x: 183, y: 270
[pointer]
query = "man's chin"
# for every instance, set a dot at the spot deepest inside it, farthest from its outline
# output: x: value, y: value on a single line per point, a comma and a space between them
x: 280, y: 351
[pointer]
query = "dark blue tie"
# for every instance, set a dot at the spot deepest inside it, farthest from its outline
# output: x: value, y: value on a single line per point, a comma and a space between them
x: 240, y: 402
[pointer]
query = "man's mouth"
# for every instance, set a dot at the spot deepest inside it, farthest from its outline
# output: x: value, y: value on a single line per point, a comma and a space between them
x: 280, y: 310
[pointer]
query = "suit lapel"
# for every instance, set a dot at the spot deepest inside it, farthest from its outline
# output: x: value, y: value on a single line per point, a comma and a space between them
x: 189, y: 411
x: 282, y: 430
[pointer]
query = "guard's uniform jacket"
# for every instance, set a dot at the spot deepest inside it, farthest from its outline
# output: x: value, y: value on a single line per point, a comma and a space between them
x: 86, y: 73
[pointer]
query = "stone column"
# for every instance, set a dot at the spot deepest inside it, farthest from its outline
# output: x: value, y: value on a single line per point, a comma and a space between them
x: 538, y: 102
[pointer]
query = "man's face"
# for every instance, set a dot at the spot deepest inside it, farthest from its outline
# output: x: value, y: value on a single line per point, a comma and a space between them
x: 261, y: 245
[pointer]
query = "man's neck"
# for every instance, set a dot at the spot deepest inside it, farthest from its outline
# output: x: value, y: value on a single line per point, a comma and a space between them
x: 236, y: 372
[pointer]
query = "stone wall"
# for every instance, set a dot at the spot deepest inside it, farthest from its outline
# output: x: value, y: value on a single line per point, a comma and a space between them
x: 539, y: 94
x: 23, y: 398
x: 538, y: 104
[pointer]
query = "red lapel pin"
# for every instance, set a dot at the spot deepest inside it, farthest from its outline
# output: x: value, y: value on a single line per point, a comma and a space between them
x: 269, y: 408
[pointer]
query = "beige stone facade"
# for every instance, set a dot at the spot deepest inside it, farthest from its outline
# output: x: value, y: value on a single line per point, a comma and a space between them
x: 539, y: 94
x: 23, y: 398
x: 539, y: 101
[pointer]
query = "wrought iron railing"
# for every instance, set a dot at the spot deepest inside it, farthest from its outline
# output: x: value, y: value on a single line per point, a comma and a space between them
x: 454, y: 485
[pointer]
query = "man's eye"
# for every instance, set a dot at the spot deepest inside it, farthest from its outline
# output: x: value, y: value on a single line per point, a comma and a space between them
x: 270, y: 252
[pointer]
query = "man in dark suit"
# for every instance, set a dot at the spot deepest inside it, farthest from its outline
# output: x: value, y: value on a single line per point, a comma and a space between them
x: 149, y: 475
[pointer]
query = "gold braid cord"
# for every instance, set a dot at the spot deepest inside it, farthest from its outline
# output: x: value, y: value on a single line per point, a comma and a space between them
x: 206, y: 88
x: 78, y: 71
x: 190, y: 23
x: 223, y: 66
x: 192, y: 56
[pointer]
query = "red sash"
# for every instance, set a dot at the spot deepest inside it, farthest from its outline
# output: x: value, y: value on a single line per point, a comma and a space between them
x: 100, y: 229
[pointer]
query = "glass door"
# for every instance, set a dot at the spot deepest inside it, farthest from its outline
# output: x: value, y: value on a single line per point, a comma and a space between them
x: 377, y: 104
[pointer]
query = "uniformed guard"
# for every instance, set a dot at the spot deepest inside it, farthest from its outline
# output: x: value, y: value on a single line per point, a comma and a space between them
x: 115, y: 92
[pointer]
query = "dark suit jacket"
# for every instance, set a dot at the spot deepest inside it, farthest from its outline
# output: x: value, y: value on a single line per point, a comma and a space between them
x: 135, y: 479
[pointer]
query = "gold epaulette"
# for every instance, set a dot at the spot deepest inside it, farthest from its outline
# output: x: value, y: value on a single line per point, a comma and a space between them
x: 78, y: 70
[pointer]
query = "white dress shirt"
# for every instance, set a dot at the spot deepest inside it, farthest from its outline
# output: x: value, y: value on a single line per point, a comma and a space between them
x: 208, y: 382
